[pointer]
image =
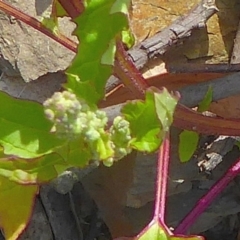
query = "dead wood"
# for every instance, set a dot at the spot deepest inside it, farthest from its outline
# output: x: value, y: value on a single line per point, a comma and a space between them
x: 177, y: 31
x: 169, y: 36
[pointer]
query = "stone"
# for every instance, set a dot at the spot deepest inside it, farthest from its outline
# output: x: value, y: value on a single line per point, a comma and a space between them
x: 25, y: 51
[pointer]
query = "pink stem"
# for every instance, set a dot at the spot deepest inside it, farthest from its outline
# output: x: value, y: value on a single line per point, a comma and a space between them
x: 161, y: 182
x: 208, y: 198
x: 66, y: 42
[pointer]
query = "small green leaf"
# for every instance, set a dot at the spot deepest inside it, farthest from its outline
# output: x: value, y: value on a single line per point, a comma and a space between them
x: 144, y: 123
x: 165, y: 106
x: 76, y: 153
x: 205, y: 103
x: 150, y: 119
x: 31, y: 171
x: 58, y: 10
x: 24, y: 130
x: 16, y: 207
x: 155, y: 232
x: 188, y: 141
x: 51, y: 24
x: 98, y: 27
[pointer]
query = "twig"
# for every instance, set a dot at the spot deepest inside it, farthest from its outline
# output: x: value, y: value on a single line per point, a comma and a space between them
x: 207, y: 199
x: 203, y: 68
x: 177, y: 31
x: 72, y: 7
x: 33, y: 22
x: 164, y: 40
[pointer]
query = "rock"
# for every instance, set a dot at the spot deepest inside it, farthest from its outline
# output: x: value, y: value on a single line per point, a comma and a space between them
x: 38, y: 90
x: 39, y: 226
x: 25, y: 51
x: 59, y: 210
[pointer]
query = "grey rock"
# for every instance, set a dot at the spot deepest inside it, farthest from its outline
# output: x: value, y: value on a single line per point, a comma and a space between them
x: 39, y: 226
x: 26, y: 52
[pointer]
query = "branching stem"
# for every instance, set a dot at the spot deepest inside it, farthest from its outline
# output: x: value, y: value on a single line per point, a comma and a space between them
x: 207, y: 199
x: 33, y: 22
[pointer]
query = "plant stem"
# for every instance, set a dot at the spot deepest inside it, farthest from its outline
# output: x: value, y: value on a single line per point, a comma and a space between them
x: 161, y: 182
x: 208, y: 198
x: 33, y: 22
x: 72, y: 7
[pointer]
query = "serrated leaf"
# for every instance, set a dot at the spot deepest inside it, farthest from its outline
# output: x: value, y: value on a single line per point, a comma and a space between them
x: 24, y: 130
x: 150, y: 119
x: 165, y: 106
x: 76, y: 153
x: 97, y: 30
x: 16, y: 207
x: 205, y: 103
x: 188, y: 142
x: 144, y: 123
x: 31, y: 171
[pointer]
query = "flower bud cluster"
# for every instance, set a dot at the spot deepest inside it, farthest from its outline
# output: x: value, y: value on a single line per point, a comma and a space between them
x: 72, y: 118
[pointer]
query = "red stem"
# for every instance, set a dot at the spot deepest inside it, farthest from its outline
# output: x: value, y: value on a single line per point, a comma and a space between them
x: 68, y: 43
x: 72, y: 7
x: 161, y: 182
x: 208, y: 198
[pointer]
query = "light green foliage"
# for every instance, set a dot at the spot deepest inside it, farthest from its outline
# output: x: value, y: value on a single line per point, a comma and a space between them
x: 150, y: 119
x: 51, y: 24
x: 155, y: 231
x: 98, y: 28
x: 37, y: 149
x: 50, y: 20
x: 205, y: 103
x: 31, y: 171
x: 85, y: 129
x: 16, y: 207
x: 24, y: 130
x: 188, y: 141
x: 58, y: 10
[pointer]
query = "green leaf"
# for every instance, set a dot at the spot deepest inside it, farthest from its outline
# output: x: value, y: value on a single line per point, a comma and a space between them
x: 165, y: 106
x: 76, y: 153
x: 188, y: 141
x: 58, y: 10
x: 150, y: 119
x: 16, y: 207
x: 187, y: 238
x: 51, y: 24
x: 31, y: 171
x: 155, y: 232
x: 24, y: 130
x: 97, y: 30
x: 205, y: 103
x: 144, y: 123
